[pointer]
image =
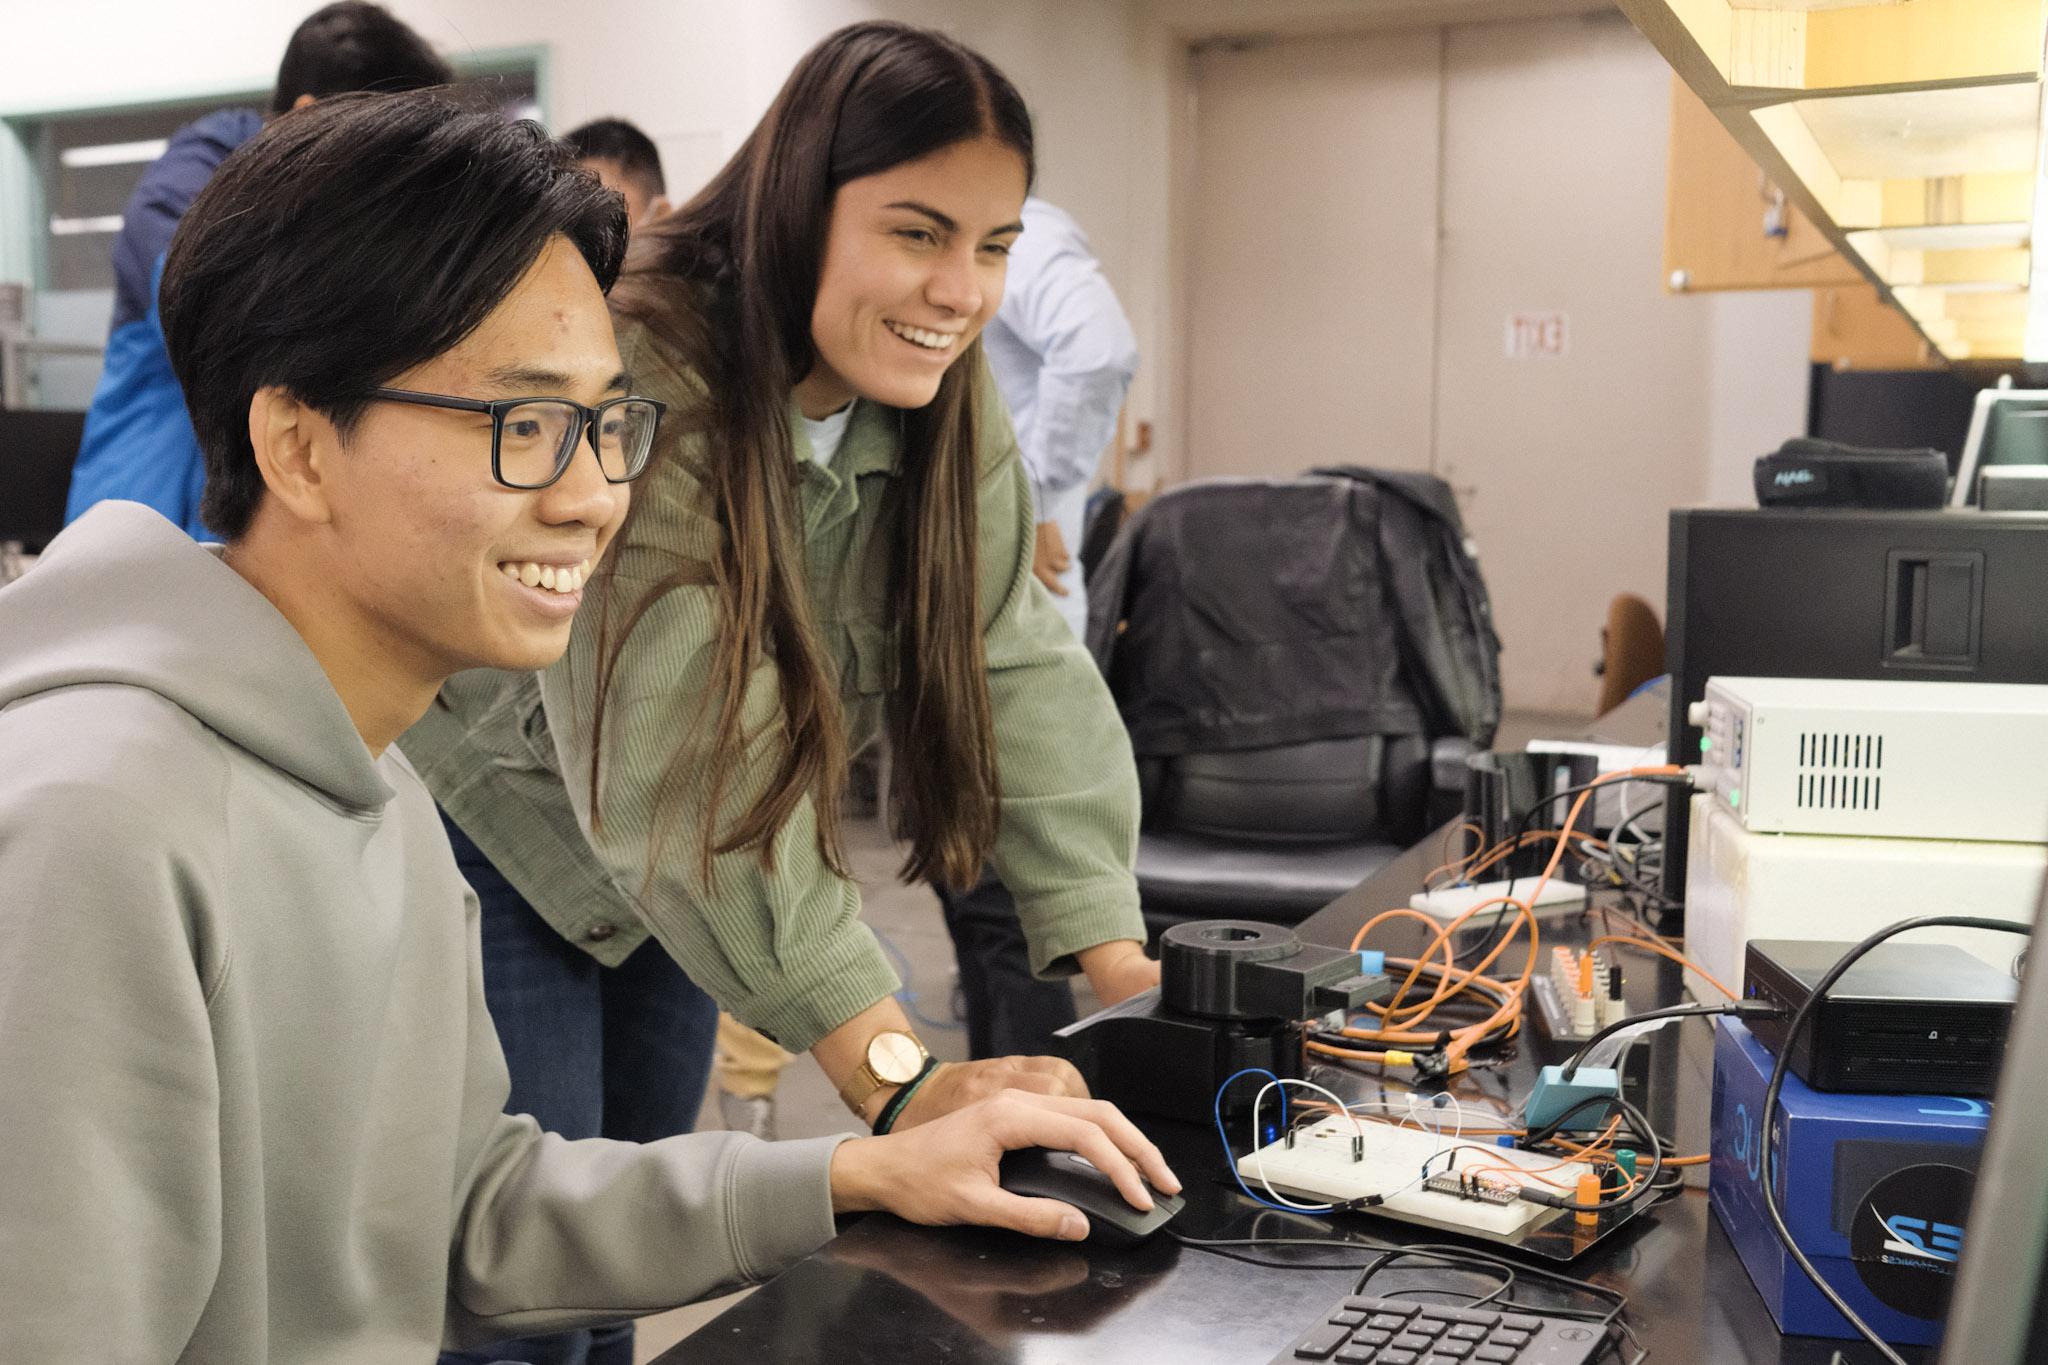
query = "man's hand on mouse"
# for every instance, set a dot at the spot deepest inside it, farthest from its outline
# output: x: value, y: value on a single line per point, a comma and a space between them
x: 945, y: 1170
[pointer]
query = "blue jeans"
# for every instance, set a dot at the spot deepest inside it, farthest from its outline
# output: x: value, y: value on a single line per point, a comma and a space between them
x: 1010, y: 1012
x: 618, y: 1052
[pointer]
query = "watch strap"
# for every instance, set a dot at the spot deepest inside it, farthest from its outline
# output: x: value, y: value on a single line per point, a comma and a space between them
x: 893, y: 1110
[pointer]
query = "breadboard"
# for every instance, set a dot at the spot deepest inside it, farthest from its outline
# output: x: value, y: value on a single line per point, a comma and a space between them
x: 1447, y: 903
x: 1319, y: 1166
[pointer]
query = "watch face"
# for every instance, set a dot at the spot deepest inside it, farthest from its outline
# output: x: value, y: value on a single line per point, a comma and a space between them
x: 894, y: 1057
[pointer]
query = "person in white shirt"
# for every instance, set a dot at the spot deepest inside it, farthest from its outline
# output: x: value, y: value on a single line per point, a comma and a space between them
x: 1063, y: 356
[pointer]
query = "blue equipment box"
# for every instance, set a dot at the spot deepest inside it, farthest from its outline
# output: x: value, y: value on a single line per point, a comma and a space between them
x: 1879, y: 1187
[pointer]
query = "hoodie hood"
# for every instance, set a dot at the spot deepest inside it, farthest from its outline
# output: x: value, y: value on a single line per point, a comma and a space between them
x: 126, y: 599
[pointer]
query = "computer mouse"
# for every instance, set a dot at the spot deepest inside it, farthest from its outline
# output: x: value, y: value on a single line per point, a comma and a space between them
x: 1046, y: 1173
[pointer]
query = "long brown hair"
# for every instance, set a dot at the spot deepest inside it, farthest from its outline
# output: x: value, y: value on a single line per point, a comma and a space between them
x: 727, y: 284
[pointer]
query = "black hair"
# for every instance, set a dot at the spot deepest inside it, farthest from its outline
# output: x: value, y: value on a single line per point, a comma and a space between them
x: 352, y: 46
x: 614, y: 139
x: 349, y: 242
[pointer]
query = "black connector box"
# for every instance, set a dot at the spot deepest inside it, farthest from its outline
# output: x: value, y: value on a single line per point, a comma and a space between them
x: 1907, y: 1019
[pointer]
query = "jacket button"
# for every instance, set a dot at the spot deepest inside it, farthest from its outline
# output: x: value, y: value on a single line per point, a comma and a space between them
x: 598, y: 933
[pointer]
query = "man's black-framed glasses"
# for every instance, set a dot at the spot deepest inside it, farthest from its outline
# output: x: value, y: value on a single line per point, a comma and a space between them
x: 534, y: 439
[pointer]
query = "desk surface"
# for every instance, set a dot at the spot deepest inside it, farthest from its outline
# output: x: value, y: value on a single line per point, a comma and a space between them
x: 889, y: 1291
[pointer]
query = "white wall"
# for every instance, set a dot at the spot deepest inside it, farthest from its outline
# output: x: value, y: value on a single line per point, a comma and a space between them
x: 1310, y: 328
x: 1760, y: 344
x: 1554, y: 152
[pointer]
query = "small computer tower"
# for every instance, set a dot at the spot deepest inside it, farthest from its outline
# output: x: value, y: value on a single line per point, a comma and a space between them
x: 1906, y: 1019
x: 1875, y: 1189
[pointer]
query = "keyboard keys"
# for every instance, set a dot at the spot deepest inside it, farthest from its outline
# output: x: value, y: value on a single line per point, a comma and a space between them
x: 1319, y: 1344
x: 1364, y: 1329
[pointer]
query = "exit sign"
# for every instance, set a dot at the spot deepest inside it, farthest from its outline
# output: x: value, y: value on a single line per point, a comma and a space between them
x: 1531, y: 335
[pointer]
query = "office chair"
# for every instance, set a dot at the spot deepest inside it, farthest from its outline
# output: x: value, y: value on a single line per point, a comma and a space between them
x: 1631, y: 650
x: 1293, y: 733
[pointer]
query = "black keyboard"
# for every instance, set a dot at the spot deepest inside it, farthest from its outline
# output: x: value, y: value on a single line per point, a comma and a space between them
x: 1363, y: 1330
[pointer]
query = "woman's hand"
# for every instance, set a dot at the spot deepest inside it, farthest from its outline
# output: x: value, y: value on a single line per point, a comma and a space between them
x: 1049, y: 557
x: 1118, y: 970
x: 945, y: 1171
x: 956, y: 1085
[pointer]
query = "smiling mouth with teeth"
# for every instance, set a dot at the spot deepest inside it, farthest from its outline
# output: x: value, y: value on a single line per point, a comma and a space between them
x: 563, y: 578
x: 922, y: 337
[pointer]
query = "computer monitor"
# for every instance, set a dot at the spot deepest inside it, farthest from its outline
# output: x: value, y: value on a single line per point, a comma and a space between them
x: 2007, y: 426
x: 1998, y: 1314
x: 36, y: 452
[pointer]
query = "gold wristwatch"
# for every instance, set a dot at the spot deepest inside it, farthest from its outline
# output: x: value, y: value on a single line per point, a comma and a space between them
x: 894, y: 1058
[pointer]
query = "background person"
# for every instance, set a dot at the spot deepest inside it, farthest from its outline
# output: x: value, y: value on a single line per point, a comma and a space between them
x: 626, y: 160
x: 138, y: 441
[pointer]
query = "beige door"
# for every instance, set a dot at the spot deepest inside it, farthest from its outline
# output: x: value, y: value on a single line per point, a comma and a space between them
x: 1309, y: 294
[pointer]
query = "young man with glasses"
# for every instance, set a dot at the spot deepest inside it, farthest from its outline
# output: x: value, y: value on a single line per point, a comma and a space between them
x: 253, y: 1093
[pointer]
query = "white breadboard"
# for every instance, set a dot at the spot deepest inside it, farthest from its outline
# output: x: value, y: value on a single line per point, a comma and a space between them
x: 1447, y: 903
x: 1319, y: 1166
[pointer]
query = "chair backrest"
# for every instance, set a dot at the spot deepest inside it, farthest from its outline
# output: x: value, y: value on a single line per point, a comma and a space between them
x: 1255, y: 638
x: 1101, y: 521
x: 1632, y: 650
x: 1321, y: 791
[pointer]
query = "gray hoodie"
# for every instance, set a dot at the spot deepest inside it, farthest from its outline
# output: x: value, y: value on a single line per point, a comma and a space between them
x: 249, y: 1094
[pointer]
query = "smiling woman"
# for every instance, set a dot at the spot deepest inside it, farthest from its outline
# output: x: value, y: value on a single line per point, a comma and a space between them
x: 770, y: 607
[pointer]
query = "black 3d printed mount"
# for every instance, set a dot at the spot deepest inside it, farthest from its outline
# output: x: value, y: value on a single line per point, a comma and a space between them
x: 1233, y: 994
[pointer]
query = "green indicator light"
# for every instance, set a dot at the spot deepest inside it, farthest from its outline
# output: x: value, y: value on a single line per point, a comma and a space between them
x: 1735, y: 796
x: 1706, y: 744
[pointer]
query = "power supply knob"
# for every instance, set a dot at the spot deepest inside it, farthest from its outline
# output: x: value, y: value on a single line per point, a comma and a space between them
x: 1696, y: 715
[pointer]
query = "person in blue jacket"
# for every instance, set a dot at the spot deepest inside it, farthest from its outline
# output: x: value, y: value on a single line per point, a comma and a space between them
x: 138, y: 441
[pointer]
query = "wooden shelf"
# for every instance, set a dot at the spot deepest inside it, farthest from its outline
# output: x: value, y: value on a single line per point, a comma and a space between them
x: 1746, y: 50
x: 1881, y: 119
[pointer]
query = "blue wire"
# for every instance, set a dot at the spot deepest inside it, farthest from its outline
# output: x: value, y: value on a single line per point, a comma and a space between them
x: 908, y: 997
x: 1231, y: 1162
